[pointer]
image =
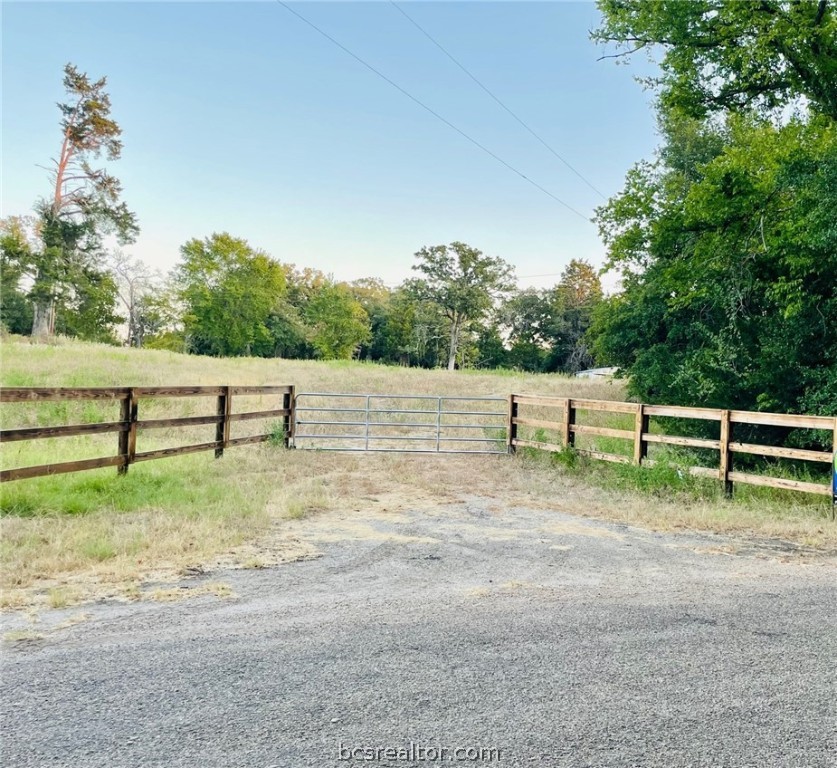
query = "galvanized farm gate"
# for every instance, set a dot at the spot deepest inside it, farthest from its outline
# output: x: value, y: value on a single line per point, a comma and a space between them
x: 400, y: 423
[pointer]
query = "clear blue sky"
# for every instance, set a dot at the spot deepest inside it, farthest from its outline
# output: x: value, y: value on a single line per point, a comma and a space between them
x: 239, y: 117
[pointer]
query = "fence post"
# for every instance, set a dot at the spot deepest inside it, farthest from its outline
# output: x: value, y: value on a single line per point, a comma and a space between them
x: 640, y: 427
x: 128, y: 438
x: 834, y: 474
x: 288, y: 420
x: 726, y: 456
x: 125, y: 418
x: 511, y: 427
x: 222, y: 427
x: 569, y: 419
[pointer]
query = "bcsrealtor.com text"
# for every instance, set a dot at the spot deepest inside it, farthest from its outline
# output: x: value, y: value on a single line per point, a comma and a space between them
x: 416, y: 753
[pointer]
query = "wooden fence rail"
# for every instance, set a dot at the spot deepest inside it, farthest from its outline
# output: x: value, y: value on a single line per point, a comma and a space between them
x: 567, y: 426
x: 129, y: 423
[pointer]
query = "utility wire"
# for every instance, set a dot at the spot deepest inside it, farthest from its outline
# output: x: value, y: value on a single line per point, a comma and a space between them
x: 431, y: 111
x: 493, y: 96
x: 547, y: 274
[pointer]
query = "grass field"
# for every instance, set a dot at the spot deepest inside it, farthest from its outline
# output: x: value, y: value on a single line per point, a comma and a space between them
x: 71, y: 537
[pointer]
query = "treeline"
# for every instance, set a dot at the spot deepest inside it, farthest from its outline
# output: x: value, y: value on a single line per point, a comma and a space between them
x: 226, y: 298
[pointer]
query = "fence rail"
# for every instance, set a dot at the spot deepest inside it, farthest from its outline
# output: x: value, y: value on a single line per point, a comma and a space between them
x: 129, y: 423
x: 640, y: 436
x: 558, y: 415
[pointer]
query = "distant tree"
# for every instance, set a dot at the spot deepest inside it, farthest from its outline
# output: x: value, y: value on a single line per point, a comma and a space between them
x: 135, y: 281
x: 526, y: 316
x: 574, y: 301
x: 87, y: 310
x: 158, y: 319
x: 527, y: 320
x: 374, y: 296
x: 84, y: 204
x: 229, y: 292
x: 463, y: 282
x: 492, y: 351
x: 18, y: 244
x: 338, y: 321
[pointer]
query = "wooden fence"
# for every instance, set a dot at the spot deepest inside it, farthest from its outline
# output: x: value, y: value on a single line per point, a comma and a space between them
x: 129, y: 422
x: 567, y: 426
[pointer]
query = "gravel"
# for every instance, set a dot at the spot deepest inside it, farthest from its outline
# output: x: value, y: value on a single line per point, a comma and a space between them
x: 556, y: 640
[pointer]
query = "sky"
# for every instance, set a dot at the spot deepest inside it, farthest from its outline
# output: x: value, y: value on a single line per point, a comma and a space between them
x: 239, y: 117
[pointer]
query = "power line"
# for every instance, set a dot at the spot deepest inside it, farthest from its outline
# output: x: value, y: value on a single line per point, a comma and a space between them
x: 493, y: 96
x: 431, y: 111
x: 547, y: 274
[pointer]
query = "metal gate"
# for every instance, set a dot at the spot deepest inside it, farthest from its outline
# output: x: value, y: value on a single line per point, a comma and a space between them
x: 400, y: 423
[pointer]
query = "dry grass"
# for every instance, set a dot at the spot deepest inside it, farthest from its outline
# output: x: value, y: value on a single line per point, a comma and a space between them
x: 71, y: 538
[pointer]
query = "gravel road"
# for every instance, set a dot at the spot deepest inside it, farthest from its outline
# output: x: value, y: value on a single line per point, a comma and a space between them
x: 556, y: 640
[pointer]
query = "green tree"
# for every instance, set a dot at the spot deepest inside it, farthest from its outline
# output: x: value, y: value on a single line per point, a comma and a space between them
x: 18, y: 244
x: 339, y: 322
x: 729, y: 292
x: 464, y: 283
x: 726, y: 241
x: 85, y: 202
x: 573, y: 302
x: 731, y: 55
x: 527, y: 320
x: 374, y: 297
x: 87, y: 310
x: 228, y: 291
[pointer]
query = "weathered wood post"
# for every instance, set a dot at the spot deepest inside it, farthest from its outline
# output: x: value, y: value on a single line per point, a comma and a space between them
x: 511, y: 426
x: 640, y: 428
x: 129, y: 412
x: 568, y: 435
x: 726, y: 455
x: 222, y: 427
x: 288, y: 420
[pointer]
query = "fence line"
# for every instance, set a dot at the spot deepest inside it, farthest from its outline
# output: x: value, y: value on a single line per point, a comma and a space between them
x: 640, y: 436
x: 129, y: 423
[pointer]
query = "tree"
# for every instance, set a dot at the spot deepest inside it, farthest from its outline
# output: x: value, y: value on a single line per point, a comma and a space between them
x: 730, y: 298
x: 228, y: 291
x: 463, y: 283
x: 339, y: 322
x: 732, y: 55
x: 18, y: 245
x: 574, y: 302
x: 374, y: 296
x: 87, y: 311
x: 726, y: 240
x: 84, y: 205
x: 134, y: 280
x: 527, y: 319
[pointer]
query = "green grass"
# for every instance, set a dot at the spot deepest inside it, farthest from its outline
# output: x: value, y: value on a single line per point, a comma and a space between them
x: 189, y: 484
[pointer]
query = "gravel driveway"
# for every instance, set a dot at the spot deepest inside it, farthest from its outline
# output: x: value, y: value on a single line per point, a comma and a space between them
x: 455, y: 634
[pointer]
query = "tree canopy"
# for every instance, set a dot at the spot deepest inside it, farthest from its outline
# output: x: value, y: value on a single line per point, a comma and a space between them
x: 228, y: 291
x: 726, y: 241
x: 463, y: 282
x: 731, y: 55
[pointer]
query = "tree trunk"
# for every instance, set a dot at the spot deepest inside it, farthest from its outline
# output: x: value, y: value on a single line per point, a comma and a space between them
x: 43, y: 318
x: 454, y: 343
